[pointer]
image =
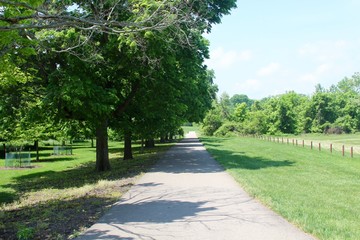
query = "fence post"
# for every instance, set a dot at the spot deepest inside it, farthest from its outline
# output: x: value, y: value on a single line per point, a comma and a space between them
x: 319, y: 146
x: 331, y: 147
x: 311, y: 145
x: 343, y: 150
x: 352, y: 151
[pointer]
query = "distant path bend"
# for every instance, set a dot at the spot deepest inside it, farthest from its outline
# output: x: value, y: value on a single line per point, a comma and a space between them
x: 187, y: 195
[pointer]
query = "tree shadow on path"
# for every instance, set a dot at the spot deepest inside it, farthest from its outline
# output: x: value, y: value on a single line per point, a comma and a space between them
x: 137, y: 215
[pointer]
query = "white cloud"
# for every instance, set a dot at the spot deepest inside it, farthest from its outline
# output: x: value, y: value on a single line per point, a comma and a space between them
x: 323, y: 68
x: 325, y: 50
x: 245, y: 55
x: 327, y: 62
x: 269, y: 69
x: 222, y: 59
x: 318, y: 75
x: 248, y: 85
x: 309, y: 78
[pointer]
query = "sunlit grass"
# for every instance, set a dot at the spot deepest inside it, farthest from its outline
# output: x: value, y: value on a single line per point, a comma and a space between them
x: 61, y: 195
x: 336, y: 140
x: 194, y: 128
x: 318, y: 191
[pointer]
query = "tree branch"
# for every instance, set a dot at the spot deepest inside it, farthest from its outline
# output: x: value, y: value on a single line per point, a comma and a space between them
x: 121, y: 107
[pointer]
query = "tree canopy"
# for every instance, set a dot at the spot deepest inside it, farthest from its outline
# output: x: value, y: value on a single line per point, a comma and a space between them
x: 133, y: 65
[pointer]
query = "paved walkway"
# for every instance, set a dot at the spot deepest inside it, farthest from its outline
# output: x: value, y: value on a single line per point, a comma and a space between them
x: 187, y: 195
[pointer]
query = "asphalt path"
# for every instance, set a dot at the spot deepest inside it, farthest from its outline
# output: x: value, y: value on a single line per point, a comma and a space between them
x: 187, y: 195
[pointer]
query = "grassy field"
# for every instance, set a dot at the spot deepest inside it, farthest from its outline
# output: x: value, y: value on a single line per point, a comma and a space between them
x: 336, y: 140
x: 317, y: 191
x: 62, y: 195
x: 194, y: 128
x: 348, y: 140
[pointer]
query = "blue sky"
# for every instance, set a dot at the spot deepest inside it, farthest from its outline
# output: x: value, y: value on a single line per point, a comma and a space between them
x: 267, y: 47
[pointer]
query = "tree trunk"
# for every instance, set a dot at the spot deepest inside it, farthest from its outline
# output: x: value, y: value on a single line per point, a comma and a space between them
x: 36, y: 145
x: 162, y: 139
x: 127, y: 146
x: 102, y: 151
x: 4, y: 145
x: 142, y: 146
x: 149, y: 143
x: 92, y: 142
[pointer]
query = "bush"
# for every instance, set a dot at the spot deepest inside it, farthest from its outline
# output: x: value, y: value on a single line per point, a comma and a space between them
x: 346, y: 123
x: 211, y: 122
x: 334, y: 130
x: 228, y: 129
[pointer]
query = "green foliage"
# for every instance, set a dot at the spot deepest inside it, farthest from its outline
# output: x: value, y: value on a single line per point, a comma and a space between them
x: 241, y: 98
x: 228, y: 129
x: 255, y: 123
x: 25, y: 233
x: 240, y: 112
x: 346, y: 123
x: 212, y: 120
x: 225, y: 106
x: 68, y: 82
x: 333, y: 110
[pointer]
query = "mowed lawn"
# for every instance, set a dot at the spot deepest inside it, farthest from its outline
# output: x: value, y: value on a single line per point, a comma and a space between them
x: 337, y: 140
x: 317, y: 191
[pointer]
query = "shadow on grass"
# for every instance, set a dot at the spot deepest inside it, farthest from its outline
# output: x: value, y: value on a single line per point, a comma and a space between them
x: 55, y: 159
x: 231, y: 160
x: 6, y: 197
x: 239, y: 160
x: 213, y: 142
x: 189, y: 156
x: 76, y: 177
x: 54, y: 218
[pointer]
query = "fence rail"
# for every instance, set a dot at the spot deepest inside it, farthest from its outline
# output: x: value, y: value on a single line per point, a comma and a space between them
x: 313, y: 144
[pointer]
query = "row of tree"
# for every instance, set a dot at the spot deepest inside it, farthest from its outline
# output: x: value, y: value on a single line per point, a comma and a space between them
x: 72, y: 68
x: 333, y: 110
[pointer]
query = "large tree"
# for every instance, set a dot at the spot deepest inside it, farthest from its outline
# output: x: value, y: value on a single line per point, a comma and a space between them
x: 93, y: 56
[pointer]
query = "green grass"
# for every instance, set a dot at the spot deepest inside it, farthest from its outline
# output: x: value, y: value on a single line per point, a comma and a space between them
x: 194, y: 128
x: 62, y: 195
x: 12, y: 181
x: 317, y: 191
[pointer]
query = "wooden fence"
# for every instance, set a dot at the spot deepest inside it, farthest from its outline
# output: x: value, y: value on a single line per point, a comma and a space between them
x: 311, y: 144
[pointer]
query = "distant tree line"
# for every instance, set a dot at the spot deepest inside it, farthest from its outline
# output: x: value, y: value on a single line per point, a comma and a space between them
x: 333, y: 110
